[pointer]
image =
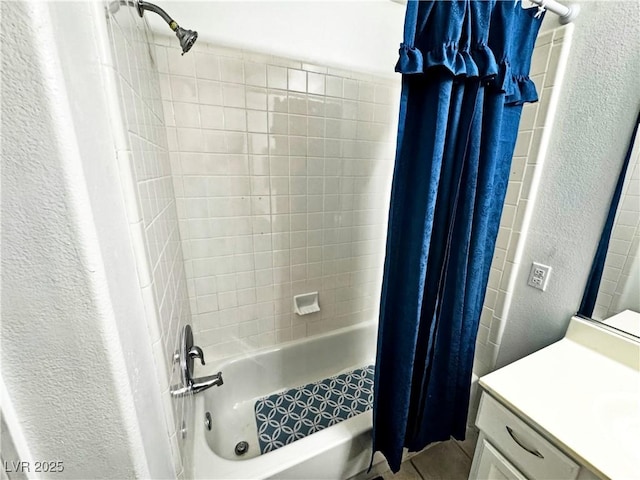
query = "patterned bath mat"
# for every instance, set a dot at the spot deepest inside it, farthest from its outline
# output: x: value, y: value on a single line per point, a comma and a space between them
x: 288, y: 416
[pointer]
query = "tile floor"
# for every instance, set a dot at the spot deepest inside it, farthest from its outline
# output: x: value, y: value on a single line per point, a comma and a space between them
x: 442, y: 461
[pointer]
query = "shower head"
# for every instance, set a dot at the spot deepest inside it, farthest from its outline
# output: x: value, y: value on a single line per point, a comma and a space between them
x: 186, y: 37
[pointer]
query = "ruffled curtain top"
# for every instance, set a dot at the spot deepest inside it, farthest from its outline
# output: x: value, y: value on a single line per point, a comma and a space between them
x: 472, y: 39
x: 520, y: 88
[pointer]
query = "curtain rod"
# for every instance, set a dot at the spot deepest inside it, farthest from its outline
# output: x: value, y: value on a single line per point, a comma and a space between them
x: 567, y: 13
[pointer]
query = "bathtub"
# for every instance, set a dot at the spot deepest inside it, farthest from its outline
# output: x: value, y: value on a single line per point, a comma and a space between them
x: 339, y: 451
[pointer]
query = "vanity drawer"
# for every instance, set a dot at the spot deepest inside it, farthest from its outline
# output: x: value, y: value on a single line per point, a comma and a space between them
x: 526, y: 449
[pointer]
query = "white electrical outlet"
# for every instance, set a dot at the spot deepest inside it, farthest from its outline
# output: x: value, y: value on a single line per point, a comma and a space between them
x: 539, y: 276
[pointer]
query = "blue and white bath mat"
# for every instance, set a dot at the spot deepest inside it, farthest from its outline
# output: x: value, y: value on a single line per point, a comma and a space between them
x: 288, y: 416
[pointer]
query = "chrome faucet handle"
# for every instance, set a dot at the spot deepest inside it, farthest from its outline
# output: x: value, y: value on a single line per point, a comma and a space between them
x: 185, y: 358
x: 196, y: 352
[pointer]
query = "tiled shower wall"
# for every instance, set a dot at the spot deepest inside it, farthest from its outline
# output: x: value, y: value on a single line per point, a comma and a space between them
x: 547, y: 70
x: 148, y: 189
x: 282, y: 172
x: 624, y: 247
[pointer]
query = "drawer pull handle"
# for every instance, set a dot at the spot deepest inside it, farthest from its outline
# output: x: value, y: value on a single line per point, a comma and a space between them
x: 519, y: 442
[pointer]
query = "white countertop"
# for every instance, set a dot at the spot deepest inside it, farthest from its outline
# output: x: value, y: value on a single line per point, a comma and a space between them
x: 627, y: 321
x: 583, y: 394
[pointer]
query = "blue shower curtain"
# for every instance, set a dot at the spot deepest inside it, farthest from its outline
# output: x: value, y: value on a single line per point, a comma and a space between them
x: 464, y: 66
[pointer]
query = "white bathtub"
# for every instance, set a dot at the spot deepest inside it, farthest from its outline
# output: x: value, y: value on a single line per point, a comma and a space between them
x: 339, y: 451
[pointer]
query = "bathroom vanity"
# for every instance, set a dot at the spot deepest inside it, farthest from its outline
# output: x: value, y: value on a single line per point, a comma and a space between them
x: 568, y: 411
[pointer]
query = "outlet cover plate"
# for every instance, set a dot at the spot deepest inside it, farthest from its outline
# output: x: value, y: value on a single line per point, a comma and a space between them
x: 539, y: 276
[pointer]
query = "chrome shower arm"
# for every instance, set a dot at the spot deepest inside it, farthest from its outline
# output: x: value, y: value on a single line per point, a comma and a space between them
x: 186, y: 37
x: 141, y: 6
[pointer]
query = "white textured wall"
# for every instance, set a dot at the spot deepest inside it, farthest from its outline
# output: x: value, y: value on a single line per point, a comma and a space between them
x: 356, y: 35
x: 70, y: 371
x: 591, y: 131
x: 282, y: 171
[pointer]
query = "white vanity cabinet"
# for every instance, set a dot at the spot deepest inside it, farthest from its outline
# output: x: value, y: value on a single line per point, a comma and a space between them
x: 568, y: 412
x: 508, y: 448
x: 489, y: 463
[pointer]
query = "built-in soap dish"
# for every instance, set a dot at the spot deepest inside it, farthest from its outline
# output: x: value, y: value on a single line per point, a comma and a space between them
x: 306, y: 303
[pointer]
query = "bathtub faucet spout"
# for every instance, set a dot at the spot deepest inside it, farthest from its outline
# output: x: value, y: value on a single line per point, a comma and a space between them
x: 185, y: 357
x: 203, y: 383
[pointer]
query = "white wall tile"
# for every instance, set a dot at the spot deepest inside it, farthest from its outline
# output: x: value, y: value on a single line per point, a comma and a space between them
x: 231, y: 70
x: 334, y: 86
x: 255, y: 74
x: 297, y: 80
x: 276, y: 77
x: 156, y: 237
x: 186, y: 114
x: 257, y: 121
x: 206, y: 65
x: 209, y: 92
x: 316, y: 83
x: 211, y: 116
x: 183, y: 89
x: 179, y: 64
x: 265, y: 187
x: 233, y: 95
